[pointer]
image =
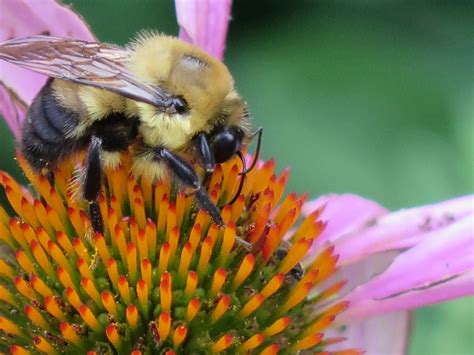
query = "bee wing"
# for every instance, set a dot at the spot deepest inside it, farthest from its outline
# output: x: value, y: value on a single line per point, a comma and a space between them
x: 93, y: 64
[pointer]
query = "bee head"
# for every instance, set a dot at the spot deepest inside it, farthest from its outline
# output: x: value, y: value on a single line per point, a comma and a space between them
x: 197, y: 85
x: 225, y: 142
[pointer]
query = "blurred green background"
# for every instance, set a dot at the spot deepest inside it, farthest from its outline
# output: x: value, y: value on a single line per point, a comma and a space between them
x: 370, y: 97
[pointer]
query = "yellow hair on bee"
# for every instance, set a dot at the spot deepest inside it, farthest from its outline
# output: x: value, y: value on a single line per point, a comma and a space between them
x: 146, y: 166
x: 187, y: 72
x: 90, y: 103
x: 67, y: 94
x: 161, y: 129
x: 234, y: 109
x: 101, y: 103
x: 110, y: 159
x: 151, y: 58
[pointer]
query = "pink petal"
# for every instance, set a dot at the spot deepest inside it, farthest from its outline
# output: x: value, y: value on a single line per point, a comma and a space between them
x: 439, y: 268
x: 402, y: 229
x: 12, y: 109
x: 386, y: 333
x: 462, y: 286
x: 204, y: 23
x: 20, y: 18
x: 345, y: 214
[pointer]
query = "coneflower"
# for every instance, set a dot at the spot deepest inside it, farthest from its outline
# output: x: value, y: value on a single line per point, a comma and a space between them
x: 163, y: 277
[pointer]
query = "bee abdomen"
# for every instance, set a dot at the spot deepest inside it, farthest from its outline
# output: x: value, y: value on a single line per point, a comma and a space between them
x: 45, y: 131
x: 64, y: 119
x: 40, y: 124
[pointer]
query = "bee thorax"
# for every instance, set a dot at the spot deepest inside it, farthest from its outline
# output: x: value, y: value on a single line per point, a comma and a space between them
x: 161, y: 129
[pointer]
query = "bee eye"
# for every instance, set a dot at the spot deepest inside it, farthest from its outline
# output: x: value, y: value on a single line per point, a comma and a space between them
x: 180, y: 105
x: 226, y: 142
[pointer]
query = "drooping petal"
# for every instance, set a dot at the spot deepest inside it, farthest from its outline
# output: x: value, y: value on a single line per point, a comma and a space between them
x: 204, y: 23
x: 383, y: 334
x: 403, y: 229
x: 360, y: 227
x: 440, y: 267
x: 20, y: 18
x: 345, y: 214
x: 458, y: 287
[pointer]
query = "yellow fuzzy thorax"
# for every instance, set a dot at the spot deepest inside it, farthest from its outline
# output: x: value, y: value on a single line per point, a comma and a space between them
x: 179, y: 69
x: 187, y: 72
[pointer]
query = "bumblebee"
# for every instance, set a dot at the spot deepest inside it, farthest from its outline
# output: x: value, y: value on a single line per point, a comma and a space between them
x: 167, y: 102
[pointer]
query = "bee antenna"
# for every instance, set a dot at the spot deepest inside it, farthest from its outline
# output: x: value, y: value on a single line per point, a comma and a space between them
x: 259, y: 133
x: 242, y: 178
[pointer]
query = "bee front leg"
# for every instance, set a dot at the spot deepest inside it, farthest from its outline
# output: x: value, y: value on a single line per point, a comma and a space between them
x: 205, y: 156
x: 188, y: 177
x: 93, y: 183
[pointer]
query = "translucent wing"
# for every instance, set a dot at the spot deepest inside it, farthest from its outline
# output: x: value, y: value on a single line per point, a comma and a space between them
x: 93, y: 64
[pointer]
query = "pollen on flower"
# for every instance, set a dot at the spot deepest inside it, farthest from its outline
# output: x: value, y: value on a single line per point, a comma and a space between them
x: 163, y: 277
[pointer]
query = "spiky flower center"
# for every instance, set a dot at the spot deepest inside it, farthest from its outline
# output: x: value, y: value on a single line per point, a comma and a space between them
x: 163, y: 278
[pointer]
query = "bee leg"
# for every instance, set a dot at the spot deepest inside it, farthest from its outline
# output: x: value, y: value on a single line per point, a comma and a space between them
x: 186, y: 174
x: 188, y: 177
x: 206, y: 157
x: 50, y: 177
x: 93, y: 182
